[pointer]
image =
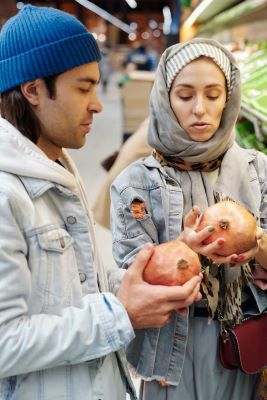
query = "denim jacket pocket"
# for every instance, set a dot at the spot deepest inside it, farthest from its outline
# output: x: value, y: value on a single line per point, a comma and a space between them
x: 57, y: 263
x: 57, y: 240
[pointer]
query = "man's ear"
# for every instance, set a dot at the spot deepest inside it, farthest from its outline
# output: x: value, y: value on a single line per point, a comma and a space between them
x: 31, y: 91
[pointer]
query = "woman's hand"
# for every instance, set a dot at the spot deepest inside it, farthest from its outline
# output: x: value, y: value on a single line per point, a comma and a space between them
x: 260, y: 269
x: 196, y: 239
x: 240, y: 259
x: 261, y: 256
x: 260, y: 277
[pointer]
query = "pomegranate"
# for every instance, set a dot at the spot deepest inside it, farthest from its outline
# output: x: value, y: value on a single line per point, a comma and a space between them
x: 172, y: 263
x: 233, y: 223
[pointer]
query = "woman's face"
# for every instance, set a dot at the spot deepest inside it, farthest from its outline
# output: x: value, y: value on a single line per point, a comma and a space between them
x: 197, y: 98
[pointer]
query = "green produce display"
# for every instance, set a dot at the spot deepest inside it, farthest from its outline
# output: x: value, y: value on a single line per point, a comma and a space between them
x: 246, y: 137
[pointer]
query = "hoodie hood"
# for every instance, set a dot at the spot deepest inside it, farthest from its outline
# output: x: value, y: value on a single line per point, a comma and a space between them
x: 20, y: 156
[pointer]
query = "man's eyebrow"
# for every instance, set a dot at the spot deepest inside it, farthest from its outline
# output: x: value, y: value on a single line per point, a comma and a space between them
x: 88, y: 80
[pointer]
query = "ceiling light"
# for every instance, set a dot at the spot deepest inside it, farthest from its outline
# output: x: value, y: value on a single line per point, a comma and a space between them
x: 20, y: 5
x: 145, y: 35
x: 101, y: 37
x: 167, y: 20
x: 131, y: 3
x: 132, y: 36
x: 196, y: 13
x: 105, y: 15
x: 133, y: 26
x: 152, y: 24
x: 156, y: 33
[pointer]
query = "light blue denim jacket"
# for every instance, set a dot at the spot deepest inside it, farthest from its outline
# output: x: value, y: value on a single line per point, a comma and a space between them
x: 159, y: 353
x: 60, y: 338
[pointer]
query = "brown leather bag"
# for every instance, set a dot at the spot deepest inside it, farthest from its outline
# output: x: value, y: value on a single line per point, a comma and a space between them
x: 245, y: 346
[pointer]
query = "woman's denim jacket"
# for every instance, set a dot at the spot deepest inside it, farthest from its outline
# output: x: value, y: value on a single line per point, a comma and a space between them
x: 159, y: 353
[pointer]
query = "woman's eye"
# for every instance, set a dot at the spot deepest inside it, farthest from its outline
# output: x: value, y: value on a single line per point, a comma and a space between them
x: 212, y: 97
x: 213, y: 94
x: 185, y: 98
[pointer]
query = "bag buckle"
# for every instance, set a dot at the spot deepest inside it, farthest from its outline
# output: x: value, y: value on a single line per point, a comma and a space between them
x: 225, y: 336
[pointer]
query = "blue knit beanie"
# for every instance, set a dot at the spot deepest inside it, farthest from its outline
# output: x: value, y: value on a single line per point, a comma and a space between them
x: 42, y: 41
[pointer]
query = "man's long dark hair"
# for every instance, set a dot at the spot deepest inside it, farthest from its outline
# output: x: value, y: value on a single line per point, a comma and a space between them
x: 16, y: 109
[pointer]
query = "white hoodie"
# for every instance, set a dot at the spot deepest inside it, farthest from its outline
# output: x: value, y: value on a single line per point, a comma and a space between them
x: 55, y: 325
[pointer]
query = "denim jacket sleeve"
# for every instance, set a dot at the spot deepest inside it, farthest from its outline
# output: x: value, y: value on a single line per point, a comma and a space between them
x: 36, y: 341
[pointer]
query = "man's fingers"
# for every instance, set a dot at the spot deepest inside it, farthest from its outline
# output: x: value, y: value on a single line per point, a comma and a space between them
x: 142, y: 259
x: 195, y: 295
x: 182, y: 311
x: 183, y: 304
x: 182, y: 293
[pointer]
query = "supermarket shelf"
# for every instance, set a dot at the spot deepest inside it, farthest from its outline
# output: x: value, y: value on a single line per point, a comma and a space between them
x: 214, y: 8
x: 257, y: 119
x: 242, y: 13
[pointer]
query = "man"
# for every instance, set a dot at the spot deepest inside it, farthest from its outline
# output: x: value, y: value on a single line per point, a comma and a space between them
x: 62, y: 333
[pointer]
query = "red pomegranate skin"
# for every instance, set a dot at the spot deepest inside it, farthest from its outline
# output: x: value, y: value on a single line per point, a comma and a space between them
x: 233, y: 223
x: 172, y: 263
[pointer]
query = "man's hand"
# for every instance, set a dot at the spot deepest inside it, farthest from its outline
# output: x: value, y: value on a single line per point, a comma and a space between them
x: 151, y: 306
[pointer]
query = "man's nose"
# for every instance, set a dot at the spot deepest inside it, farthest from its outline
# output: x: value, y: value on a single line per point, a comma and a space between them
x: 95, y: 105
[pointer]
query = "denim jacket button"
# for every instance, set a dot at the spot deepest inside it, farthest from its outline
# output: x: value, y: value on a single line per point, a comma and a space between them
x: 71, y: 220
x: 82, y: 277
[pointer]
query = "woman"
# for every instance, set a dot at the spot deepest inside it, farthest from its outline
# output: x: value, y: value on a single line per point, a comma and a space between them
x: 196, y: 162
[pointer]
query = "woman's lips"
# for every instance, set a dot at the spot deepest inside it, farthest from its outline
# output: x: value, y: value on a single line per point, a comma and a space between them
x: 200, y: 126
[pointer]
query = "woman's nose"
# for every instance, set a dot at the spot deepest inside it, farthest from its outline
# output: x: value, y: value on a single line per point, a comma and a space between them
x: 199, y: 106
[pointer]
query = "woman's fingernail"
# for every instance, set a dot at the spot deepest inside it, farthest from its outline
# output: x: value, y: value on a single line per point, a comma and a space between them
x: 240, y: 258
x: 220, y: 241
x: 211, y: 229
